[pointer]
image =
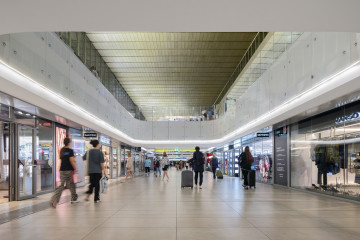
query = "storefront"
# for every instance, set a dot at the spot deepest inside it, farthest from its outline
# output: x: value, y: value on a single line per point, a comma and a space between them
x: 60, y: 134
x: 106, y: 148
x: 5, y: 119
x: 78, y: 145
x: 325, y: 152
x: 261, y: 147
x: 220, y: 156
x: 138, y: 159
x: 115, y: 166
x: 123, y: 158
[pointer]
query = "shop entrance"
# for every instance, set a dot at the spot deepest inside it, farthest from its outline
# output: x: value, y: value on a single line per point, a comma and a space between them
x: 4, y: 161
x: 26, y: 163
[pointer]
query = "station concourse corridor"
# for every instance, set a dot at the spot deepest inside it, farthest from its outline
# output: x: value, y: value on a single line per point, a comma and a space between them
x: 148, y: 208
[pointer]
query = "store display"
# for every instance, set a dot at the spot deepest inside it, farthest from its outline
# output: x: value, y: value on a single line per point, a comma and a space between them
x: 356, y: 166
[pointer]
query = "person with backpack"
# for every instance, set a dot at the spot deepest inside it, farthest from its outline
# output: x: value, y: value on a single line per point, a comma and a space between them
x: 246, y: 160
x: 158, y: 167
x: 198, y: 161
x: 214, y: 163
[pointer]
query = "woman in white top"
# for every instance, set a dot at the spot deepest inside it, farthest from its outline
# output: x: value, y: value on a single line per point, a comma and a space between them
x: 165, y: 163
x: 129, y: 166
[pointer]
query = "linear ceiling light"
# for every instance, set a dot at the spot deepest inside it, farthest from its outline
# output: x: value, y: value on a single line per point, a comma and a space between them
x: 23, y: 80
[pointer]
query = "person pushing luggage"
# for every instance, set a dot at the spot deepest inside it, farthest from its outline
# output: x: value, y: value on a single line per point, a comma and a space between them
x: 214, y: 163
x: 246, y: 161
x: 198, y: 161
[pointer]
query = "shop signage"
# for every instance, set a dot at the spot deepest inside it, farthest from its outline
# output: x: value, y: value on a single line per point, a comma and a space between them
x: 87, y: 129
x: 281, y: 159
x: 262, y: 134
x: 90, y: 135
x: 281, y: 131
x: 347, y: 118
x: 45, y: 124
x: 105, y: 140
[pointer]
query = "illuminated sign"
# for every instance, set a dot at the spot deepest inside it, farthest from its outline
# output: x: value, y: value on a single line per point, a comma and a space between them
x: 262, y: 134
x: 347, y: 118
x: 281, y: 131
x: 105, y: 140
x: 90, y: 135
x: 175, y: 150
x: 45, y: 124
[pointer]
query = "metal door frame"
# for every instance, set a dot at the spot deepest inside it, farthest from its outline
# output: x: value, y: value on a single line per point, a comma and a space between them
x: 17, y: 162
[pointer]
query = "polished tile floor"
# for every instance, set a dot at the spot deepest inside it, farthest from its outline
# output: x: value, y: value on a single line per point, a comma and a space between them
x: 147, y: 208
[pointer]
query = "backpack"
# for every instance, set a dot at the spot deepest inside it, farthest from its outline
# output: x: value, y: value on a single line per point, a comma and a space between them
x: 199, y: 158
x: 157, y: 163
x: 214, y: 162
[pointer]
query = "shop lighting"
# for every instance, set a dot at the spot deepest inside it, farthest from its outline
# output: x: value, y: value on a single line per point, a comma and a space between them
x: 325, y: 85
x: 19, y: 112
x: 28, y: 114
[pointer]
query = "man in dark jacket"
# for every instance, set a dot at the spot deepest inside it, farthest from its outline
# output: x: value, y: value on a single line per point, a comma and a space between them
x: 214, y: 163
x: 198, y: 161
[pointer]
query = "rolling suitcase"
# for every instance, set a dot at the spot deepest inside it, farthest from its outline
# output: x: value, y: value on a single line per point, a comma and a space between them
x: 251, y: 179
x: 187, y: 179
x: 219, y: 174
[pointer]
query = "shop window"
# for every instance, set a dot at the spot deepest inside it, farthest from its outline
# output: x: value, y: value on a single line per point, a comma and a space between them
x: 44, y: 155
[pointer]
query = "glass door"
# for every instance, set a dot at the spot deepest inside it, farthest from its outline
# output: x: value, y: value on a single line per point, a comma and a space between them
x: 115, y: 163
x: 236, y: 161
x: 231, y: 163
x: 4, y: 161
x: 225, y: 159
x: 26, y: 172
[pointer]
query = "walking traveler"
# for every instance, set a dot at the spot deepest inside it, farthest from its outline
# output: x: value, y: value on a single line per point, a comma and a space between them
x: 129, y: 166
x: 147, y: 166
x: 214, y: 163
x: 165, y: 163
x: 67, y: 169
x: 96, y: 167
x: 246, y: 160
x: 158, y: 167
x: 198, y: 161
x: 155, y: 167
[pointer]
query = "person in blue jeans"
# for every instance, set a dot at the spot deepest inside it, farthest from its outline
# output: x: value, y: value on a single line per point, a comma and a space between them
x: 158, y: 167
x: 147, y: 166
x: 214, y: 164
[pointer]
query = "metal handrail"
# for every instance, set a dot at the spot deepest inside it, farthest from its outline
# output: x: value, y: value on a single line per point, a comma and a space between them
x: 260, y: 36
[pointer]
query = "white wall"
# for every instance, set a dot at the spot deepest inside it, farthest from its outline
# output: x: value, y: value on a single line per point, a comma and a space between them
x: 48, y: 61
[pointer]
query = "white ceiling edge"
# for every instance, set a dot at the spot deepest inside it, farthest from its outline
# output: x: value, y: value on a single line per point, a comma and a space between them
x: 18, y: 85
x: 179, y: 16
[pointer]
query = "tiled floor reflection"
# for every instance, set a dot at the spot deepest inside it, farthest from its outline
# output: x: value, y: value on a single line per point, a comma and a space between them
x: 148, y: 208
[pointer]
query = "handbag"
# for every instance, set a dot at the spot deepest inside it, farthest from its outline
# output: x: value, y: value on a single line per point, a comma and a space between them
x: 103, y: 184
x: 76, y: 177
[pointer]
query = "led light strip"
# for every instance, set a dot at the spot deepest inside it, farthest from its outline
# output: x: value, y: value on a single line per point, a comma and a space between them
x: 22, y: 79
